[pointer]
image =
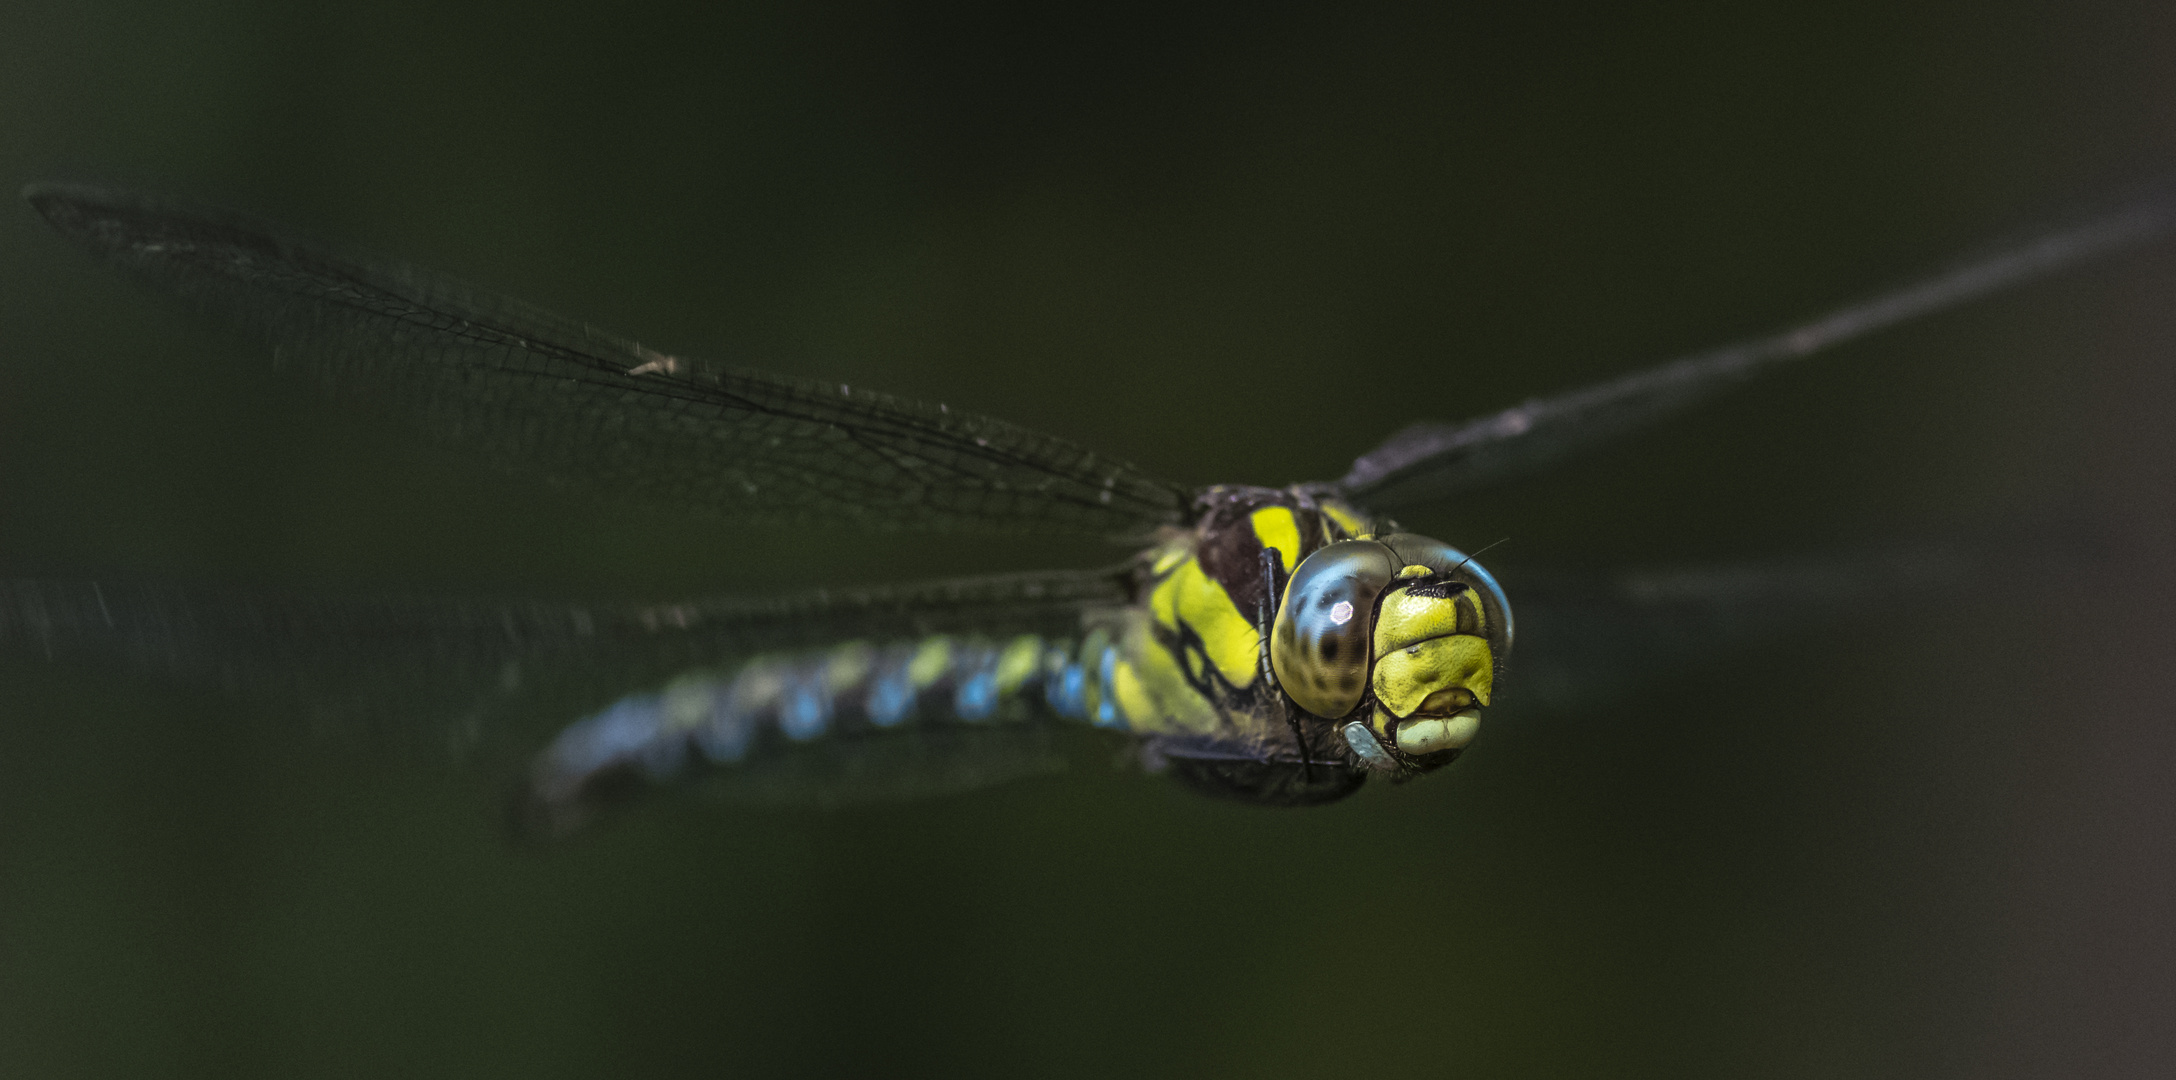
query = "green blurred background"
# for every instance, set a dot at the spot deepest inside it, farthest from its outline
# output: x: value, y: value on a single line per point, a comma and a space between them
x: 1233, y: 244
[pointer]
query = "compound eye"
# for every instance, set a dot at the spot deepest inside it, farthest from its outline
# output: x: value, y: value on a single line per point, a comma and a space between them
x: 1320, y: 645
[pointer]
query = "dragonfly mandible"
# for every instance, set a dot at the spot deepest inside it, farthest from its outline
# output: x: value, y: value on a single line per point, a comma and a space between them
x: 1278, y: 646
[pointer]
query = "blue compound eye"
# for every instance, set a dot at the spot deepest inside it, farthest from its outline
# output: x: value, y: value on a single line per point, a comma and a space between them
x: 1319, y: 647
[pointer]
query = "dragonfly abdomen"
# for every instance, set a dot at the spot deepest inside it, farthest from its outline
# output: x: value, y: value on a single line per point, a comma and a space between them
x: 772, y: 704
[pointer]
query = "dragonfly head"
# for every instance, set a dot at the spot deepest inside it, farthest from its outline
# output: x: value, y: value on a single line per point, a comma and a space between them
x: 1400, y: 636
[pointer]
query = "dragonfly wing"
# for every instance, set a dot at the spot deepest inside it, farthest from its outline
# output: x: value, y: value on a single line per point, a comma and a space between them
x: 532, y: 390
x: 1255, y: 772
x: 1586, y: 639
x: 1433, y: 460
x: 893, y: 766
x: 488, y: 678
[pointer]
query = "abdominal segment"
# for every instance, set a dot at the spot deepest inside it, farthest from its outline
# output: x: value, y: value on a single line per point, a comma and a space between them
x: 857, y: 692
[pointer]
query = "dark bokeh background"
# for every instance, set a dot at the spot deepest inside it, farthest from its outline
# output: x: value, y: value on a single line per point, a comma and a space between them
x: 1232, y: 244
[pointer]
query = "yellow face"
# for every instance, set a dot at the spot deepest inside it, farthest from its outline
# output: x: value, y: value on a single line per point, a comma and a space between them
x: 1401, y: 639
x: 1432, y: 666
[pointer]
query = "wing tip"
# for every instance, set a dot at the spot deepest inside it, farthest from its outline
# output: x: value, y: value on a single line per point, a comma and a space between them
x: 55, y: 201
x: 143, y: 232
x: 79, y: 210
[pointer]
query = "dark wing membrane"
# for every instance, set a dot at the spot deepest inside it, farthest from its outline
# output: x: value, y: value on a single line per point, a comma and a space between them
x: 535, y: 391
x: 867, y: 768
x: 1585, y: 639
x: 489, y: 678
x: 1432, y: 460
x: 1249, y: 772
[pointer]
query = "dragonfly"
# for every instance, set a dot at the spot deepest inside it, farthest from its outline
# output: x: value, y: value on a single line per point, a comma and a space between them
x: 1278, y: 646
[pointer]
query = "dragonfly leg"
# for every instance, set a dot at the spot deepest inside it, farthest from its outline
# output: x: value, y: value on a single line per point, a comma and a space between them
x: 1266, y: 617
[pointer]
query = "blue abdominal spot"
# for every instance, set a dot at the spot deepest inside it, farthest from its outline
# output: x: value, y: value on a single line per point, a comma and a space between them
x: 977, y: 697
x: 1107, y: 714
x: 891, y: 699
x: 628, y: 730
x: 1068, y: 694
x: 805, y: 712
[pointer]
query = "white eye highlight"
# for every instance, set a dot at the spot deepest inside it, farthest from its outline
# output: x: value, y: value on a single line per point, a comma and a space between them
x: 1342, y: 613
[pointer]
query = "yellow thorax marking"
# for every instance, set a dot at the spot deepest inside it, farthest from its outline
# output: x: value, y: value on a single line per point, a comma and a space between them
x: 1165, y: 701
x: 1345, y: 520
x: 1170, y: 556
x: 1276, y: 528
x: 1130, y: 696
x: 1192, y: 597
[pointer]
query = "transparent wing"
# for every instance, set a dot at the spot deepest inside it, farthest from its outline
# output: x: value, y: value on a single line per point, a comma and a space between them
x: 1432, y: 460
x: 1586, y: 639
x: 894, y: 766
x: 488, y: 678
x: 534, y: 391
x: 859, y: 769
x: 1257, y: 773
